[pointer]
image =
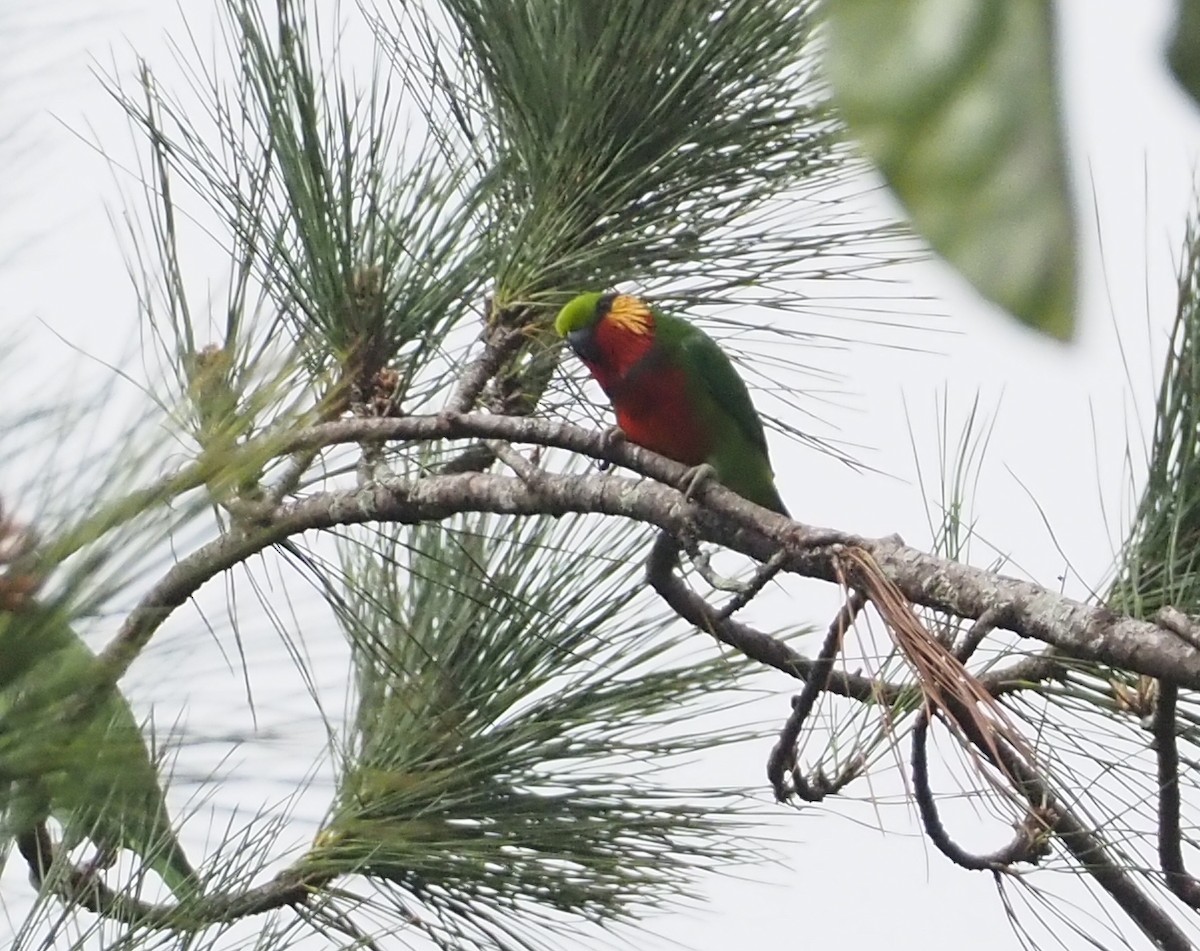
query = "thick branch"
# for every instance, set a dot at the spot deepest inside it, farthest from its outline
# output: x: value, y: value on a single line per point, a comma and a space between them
x: 1030, y: 610
x: 728, y: 519
x: 1076, y: 629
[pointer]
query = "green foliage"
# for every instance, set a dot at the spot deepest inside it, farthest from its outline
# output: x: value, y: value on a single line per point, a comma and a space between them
x: 92, y: 773
x: 1183, y: 51
x: 1160, y: 563
x: 364, y: 248
x: 516, y: 707
x: 957, y: 105
x: 628, y: 141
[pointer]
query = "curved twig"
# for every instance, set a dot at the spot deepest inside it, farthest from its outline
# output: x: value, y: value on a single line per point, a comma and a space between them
x: 1085, y: 846
x: 783, y: 755
x: 1170, y: 851
x: 1027, y: 846
x: 755, y: 644
x: 987, y: 622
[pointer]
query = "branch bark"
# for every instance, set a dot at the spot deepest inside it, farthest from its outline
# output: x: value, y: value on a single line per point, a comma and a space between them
x: 1079, y: 630
x: 1070, y: 627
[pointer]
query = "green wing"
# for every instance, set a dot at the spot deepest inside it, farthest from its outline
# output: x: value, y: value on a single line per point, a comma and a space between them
x: 703, y: 357
x: 739, y: 445
x: 96, y: 776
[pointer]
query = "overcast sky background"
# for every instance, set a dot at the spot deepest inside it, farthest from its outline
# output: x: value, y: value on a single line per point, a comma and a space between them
x: 840, y: 880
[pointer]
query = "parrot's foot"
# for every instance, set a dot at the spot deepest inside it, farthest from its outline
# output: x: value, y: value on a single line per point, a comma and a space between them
x: 611, y: 437
x: 696, y: 477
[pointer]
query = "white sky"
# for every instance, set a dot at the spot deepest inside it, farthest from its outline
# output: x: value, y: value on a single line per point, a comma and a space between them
x: 841, y: 881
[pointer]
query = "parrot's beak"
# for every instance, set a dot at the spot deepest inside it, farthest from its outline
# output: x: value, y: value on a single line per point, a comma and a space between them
x: 583, y: 342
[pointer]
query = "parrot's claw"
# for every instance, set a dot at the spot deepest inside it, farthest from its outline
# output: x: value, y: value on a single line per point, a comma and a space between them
x: 613, y: 436
x: 696, y: 477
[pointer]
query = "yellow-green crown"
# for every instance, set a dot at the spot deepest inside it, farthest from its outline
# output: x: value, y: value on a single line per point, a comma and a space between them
x: 579, y: 313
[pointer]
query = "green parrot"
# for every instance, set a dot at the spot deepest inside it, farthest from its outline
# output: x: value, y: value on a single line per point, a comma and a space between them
x: 95, y: 777
x: 673, y: 389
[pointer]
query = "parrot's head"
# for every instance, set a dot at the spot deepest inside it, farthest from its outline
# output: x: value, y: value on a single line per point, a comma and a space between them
x: 580, y: 318
x: 577, y: 322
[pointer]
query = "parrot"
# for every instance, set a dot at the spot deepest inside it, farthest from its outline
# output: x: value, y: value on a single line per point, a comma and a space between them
x: 674, y: 390
x: 94, y: 776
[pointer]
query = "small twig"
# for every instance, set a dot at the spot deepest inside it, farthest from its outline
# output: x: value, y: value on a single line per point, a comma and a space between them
x: 525, y: 470
x: 299, y: 462
x: 983, y: 626
x: 499, y: 342
x: 755, y: 644
x: 1029, y: 845
x: 751, y: 589
x: 702, y: 562
x: 1170, y: 851
x: 783, y: 755
x: 86, y: 888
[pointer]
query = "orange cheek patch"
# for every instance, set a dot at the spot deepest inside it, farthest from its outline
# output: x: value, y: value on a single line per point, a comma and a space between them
x: 630, y: 315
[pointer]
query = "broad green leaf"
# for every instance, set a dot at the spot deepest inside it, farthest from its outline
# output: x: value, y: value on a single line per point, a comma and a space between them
x: 1183, y: 52
x: 956, y: 102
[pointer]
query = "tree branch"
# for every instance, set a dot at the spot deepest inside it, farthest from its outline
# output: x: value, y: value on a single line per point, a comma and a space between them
x: 1091, y: 632
x: 783, y: 755
x: 87, y: 890
x: 755, y: 644
x: 1023, y: 607
x: 1170, y: 848
x: 1025, y: 846
x: 726, y: 519
x: 1086, y: 846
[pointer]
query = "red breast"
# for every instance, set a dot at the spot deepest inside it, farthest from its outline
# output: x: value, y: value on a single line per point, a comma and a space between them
x: 648, y: 393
